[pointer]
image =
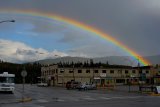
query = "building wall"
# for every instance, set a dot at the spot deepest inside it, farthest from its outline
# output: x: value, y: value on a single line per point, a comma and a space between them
x: 102, y: 76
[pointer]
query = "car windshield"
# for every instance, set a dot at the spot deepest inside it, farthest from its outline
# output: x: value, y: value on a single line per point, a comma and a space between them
x: 6, y: 80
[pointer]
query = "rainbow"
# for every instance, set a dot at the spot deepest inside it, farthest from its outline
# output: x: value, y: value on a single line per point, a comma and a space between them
x: 82, y: 26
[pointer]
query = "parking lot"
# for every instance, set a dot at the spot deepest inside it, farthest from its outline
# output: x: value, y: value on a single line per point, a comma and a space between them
x: 59, y: 96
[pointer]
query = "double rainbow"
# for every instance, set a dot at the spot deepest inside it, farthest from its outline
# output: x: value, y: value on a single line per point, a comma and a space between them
x: 85, y: 27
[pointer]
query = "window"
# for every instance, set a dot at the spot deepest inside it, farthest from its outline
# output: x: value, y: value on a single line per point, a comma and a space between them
x: 3, y: 79
x: 126, y: 71
x: 87, y: 71
x: 133, y: 71
x: 119, y: 71
x: 61, y: 71
x: 53, y: 72
x: 70, y: 71
x: 140, y: 72
x: 112, y: 71
x: 120, y: 81
x: 79, y: 71
x: 96, y: 71
x: 103, y: 71
x: 147, y: 72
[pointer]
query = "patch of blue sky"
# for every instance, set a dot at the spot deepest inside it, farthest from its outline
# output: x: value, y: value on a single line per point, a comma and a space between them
x: 22, y: 32
x: 51, y: 42
x: 45, y: 41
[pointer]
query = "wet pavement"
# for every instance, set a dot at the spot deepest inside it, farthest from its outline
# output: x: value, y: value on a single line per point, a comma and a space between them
x: 60, y: 97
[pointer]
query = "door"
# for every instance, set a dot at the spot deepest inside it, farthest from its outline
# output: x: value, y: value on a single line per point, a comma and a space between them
x: 102, y: 82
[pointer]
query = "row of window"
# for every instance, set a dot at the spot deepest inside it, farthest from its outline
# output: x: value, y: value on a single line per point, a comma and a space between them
x: 50, y: 72
x: 105, y: 71
x: 95, y: 71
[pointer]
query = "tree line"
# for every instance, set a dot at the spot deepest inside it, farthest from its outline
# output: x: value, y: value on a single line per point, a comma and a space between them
x: 33, y: 71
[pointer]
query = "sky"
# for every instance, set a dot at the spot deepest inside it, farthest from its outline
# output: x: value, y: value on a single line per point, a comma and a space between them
x: 135, y: 23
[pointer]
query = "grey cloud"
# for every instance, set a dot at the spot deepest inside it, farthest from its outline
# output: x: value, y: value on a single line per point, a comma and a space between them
x: 19, y: 52
x: 47, y: 26
x: 96, y: 49
x: 76, y: 37
x: 25, y: 52
x: 133, y: 22
x: 40, y: 25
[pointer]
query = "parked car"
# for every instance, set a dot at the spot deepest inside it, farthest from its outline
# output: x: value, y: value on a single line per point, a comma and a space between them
x: 87, y: 86
x: 72, y: 84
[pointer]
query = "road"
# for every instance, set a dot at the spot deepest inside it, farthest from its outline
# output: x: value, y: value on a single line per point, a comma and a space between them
x: 60, y: 97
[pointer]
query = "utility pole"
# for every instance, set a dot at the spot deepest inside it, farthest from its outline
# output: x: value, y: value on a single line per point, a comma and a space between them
x: 73, y: 73
x: 93, y: 76
x: 138, y: 66
x: 129, y: 77
x: 62, y: 69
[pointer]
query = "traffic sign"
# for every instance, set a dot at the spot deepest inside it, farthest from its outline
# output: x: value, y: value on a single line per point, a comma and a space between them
x: 24, y: 73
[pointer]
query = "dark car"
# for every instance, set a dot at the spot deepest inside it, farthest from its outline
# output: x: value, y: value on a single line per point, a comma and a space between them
x: 72, y: 84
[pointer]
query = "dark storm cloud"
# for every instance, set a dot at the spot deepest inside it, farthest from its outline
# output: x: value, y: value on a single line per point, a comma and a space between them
x: 133, y: 22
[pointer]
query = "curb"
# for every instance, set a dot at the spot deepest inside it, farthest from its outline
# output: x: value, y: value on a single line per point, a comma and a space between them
x: 153, y: 94
x: 18, y: 101
x: 147, y: 92
x: 25, y: 100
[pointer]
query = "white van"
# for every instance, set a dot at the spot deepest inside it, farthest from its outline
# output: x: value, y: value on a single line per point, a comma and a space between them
x: 7, y: 82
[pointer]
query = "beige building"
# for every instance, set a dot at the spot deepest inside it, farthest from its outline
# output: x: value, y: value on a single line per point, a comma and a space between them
x: 102, y: 76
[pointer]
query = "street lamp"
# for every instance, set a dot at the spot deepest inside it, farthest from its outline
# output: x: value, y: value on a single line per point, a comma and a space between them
x: 7, y: 21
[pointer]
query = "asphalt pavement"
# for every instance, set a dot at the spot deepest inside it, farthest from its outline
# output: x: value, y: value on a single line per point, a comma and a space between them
x: 61, y: 97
